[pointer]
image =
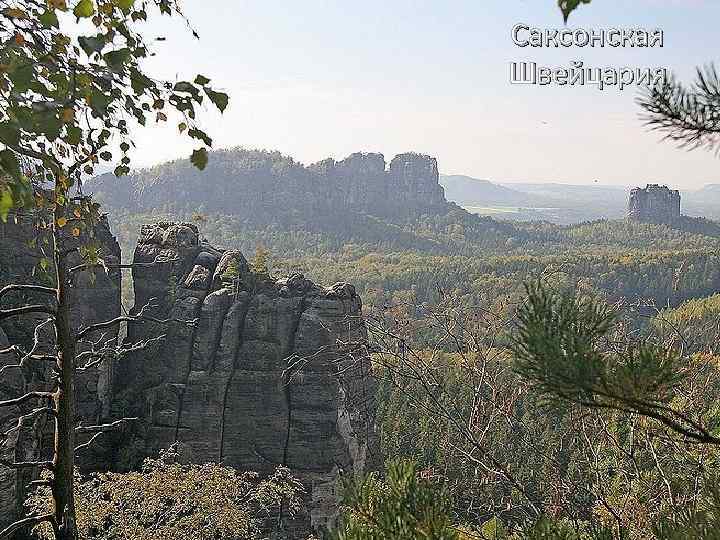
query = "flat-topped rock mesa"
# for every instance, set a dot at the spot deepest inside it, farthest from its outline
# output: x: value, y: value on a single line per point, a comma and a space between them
x: 251, y: 371
x: 654, y: 204
x: 268, y: 187
x: 363, y: 182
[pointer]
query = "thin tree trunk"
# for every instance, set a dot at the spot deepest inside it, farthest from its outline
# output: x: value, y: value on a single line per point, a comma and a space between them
x: 63, y: 459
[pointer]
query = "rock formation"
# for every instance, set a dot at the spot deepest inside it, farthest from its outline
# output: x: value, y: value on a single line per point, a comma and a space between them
x: 269, y: 375
x: 249, y: 371
x: 654, y: 204
x: 268, y: 188
x: 363, y: 183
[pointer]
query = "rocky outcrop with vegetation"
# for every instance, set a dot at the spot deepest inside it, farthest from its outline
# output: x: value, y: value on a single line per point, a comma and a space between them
x: 269, y: 188
x: 254, y: 372
x: 240, y: 368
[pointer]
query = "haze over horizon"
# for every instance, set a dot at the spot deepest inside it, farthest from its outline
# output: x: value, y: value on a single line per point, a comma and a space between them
x: 323, y: 80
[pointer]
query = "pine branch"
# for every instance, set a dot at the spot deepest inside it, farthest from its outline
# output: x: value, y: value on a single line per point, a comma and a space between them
x: 688, y: 116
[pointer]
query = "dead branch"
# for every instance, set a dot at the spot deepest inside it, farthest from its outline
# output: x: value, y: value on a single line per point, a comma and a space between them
x: 30, y: 355
x: 95, y: 357
x: 27, y: 397
x: 106, y: 267
x: 25, y: 464
x: 33, y: 288
x: 112, y: 426
x: 99, y: 430
x: 36, y: 308
x: 21, y: 419
x: 26, y: 522
x: 140, y: 317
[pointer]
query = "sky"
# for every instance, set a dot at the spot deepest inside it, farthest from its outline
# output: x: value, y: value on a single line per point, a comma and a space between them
x: 320, y: 78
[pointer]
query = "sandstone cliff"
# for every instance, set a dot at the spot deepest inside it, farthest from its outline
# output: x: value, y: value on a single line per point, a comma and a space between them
x: 362, y: 182
x: 250, y: 371
x: 654, y: 204
x: 268, y: 188
x: 268, y: 376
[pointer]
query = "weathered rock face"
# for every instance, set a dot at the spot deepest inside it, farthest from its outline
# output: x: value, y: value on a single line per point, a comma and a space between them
x: 267, y: 376
x: 249, y: 371
x: 99, y: 300
x: 362, y: 182
x: 266, y: 188
x: 654, y: 204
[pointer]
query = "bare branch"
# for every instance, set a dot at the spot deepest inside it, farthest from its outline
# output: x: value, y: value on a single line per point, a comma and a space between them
x: 140, y: 317
x: 102, y: 264
x: 25, y: 464
x: 14, y: 312
x: 21, y: 419
x: 26, y: 522
x: 27, y: 397
x: 99, y: 430
x: 33, y: 288
x: 31, y: 355
x: 112, y: 426
x: 95, y: 357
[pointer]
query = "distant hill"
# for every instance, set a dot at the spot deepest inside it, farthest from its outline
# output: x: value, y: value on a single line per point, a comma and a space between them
x: 557, y: 203
x: 260, y: 194
x: 268, y: 187
x: 466, y: 190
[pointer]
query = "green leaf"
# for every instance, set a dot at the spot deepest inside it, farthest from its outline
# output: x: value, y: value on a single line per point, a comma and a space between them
x: 48, y: 123
x: 201, y: 80
x: 49, y: 19
x: 116, y: 59
x: 199, y: 158
x: 125, y: 5
x: 200, y: 135
x: 84, y: 9
x: 219, y: 99
x: 6, y: 204
x: 184, y: 86
x: 10, y: 164
x: 91, y: 44
x: 21, y: 76
x: 568, y: 6
x: 74, y: 135
x: 99, y: 101
x: 9, y: 134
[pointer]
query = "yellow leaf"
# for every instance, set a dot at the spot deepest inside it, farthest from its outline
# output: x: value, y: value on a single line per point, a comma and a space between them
x: 77, y: 212
x: 19, y: 39
x: 61, y: 222
x: 58, y: 4
x: 76, y: 232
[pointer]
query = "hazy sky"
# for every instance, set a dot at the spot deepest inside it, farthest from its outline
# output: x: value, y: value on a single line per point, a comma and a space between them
x: 316, y: 78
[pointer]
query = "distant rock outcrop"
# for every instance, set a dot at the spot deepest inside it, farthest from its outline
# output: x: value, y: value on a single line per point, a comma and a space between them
x: 268, y: 188
x: 654, y: 204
